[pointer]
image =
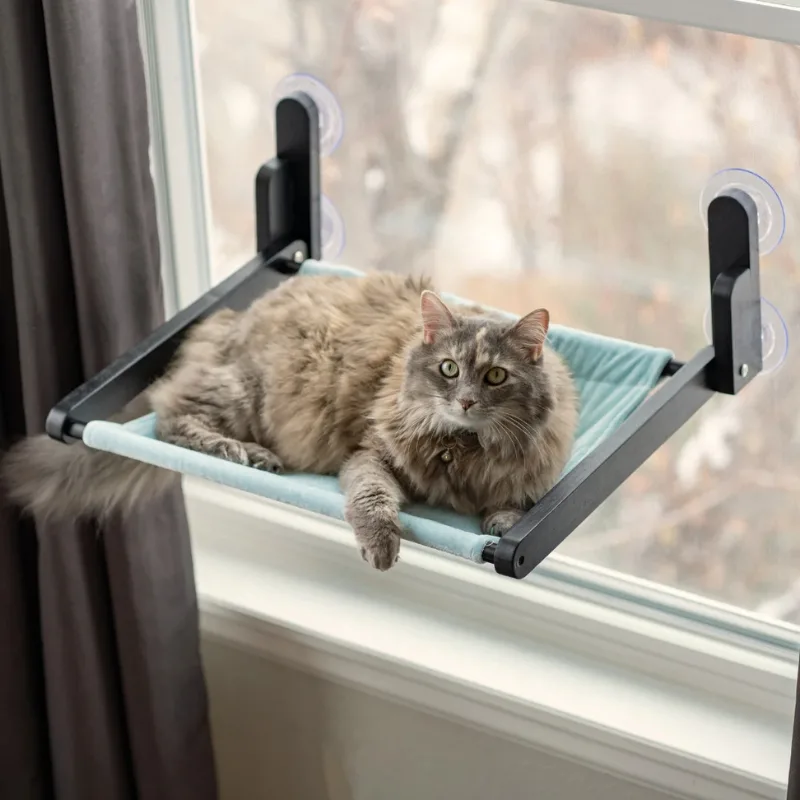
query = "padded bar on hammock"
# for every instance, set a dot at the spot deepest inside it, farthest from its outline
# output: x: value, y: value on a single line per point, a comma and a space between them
x: 612, y: 378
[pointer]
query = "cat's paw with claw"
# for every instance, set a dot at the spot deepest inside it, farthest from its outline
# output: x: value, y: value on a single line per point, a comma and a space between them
x: 382, y: 555
x: 262, y: 458
x: 379, y: 545
x: 499, y: 523
x: 228, y: 449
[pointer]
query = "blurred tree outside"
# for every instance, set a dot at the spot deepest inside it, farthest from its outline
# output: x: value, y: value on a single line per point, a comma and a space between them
x: 527, y: 153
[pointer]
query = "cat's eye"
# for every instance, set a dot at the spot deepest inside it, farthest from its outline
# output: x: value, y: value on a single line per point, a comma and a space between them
x: 448, y: 368
x: 495, y: 376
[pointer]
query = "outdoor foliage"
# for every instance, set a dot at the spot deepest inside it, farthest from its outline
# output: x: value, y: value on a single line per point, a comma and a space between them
x: 528, y: 153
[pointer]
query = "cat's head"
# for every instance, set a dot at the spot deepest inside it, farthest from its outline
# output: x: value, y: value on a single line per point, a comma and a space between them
x: 478, y: 373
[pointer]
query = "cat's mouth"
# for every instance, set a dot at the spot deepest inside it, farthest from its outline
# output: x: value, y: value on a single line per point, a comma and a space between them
x: 459, y: 420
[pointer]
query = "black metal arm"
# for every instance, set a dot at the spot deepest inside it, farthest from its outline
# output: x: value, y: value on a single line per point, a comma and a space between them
x: 594, y: 479
x: 732, y: 361
x: 288, y: 231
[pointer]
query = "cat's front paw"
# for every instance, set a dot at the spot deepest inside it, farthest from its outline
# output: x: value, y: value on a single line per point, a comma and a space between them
x: 262, y: 458
x: 227, y: 449
x: 382, y: 555
x: 499, y: 523
x: 379, y: 544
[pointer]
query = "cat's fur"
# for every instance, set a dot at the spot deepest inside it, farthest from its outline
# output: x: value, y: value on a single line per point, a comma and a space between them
x: 341, y: 375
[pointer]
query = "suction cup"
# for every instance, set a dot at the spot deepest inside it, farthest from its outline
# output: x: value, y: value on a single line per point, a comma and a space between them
x: 774, y: 336
x: 332, y: 230
x: 771, y: 214
x: 331, y: 119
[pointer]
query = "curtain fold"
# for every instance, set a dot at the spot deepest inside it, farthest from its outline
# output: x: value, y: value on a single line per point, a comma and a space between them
x: 101, y: 683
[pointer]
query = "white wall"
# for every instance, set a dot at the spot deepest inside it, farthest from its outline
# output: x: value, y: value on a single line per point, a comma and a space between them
x: 283, y: 735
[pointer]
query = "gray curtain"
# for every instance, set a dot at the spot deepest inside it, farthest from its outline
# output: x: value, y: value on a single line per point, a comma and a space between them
x: 101, y: 690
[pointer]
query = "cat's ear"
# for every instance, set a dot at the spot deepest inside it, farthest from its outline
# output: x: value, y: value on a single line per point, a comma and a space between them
x: 531, y: 331
x: 436, y: 317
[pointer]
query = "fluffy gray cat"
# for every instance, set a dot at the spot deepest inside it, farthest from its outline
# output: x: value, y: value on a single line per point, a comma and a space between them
x: 371, y: 378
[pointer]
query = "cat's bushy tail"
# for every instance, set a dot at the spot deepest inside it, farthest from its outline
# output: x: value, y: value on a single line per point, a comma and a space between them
x: 57, y: 481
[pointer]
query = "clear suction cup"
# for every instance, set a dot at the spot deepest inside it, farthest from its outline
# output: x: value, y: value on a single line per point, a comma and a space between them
x: 332, y: 230
x: 771, y: 214
x: 774, y: 336
x: 331, y: 119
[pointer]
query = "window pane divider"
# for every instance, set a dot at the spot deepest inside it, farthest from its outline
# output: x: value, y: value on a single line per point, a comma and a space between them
x: 167, y: 33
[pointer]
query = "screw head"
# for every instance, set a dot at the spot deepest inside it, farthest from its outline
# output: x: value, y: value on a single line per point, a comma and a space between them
x: 298, y: 257
x: 744, y: 370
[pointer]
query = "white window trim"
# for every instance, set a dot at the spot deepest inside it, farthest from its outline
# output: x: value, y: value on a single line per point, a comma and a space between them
x: 779, y: 21
x: 681, y: 711
x: 177, y: 148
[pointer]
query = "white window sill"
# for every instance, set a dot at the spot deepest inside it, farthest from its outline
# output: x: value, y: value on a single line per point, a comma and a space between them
x: 698, y: 716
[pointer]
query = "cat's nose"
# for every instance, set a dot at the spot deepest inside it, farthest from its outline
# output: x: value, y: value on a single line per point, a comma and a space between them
x: 466, y: 403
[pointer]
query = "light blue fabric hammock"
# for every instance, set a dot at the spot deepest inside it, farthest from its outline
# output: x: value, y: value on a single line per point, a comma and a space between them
x: 612, y: 378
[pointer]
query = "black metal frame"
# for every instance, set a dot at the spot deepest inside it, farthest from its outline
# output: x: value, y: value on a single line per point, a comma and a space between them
x: 727, y: 366
x: 288, y: 229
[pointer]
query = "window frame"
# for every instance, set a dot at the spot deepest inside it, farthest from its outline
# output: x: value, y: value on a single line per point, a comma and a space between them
x: 777, y: 21
x: 167, y: 36
x: 167, y: 30
x: 656, y: 633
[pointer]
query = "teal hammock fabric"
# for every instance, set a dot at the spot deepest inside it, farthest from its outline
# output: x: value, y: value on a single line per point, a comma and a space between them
x: 612, y: 378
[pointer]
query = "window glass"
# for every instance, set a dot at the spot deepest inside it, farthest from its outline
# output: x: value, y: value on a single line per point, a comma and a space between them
x: 533, y: 154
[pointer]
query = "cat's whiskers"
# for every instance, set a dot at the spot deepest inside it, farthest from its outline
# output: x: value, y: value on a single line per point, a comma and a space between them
x: 522, y: 425
x: 496, y: 435
x: 499, y: 422
x: 513, y: 422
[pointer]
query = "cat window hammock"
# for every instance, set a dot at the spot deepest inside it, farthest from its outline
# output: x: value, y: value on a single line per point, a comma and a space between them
x: 633, y: 397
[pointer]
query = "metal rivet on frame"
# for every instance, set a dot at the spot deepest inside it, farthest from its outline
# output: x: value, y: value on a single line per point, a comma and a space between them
x: 774, y: 336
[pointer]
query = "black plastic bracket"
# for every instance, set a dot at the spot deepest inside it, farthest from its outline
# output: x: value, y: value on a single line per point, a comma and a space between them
x: 732, y: 361
x: 288, y: 226
x: 288, y: 186
x: 735, y: 291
